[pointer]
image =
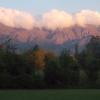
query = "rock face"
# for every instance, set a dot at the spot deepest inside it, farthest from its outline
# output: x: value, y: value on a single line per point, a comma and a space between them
x: 50, y: 39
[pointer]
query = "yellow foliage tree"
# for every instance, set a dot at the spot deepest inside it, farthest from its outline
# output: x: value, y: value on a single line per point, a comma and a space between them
x: 39, y: 59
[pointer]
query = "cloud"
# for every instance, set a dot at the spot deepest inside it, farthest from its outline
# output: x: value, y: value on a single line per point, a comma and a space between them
x: 56, y: 19
x: 61, y: 19
x: 52, y: 19
x: 15, y: 18
x: 87, y: 17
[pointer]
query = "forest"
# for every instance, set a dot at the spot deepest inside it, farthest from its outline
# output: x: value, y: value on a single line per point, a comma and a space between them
x: 38, y: 68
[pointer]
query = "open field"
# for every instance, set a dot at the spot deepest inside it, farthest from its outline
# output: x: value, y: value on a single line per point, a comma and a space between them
x: 50, y: 94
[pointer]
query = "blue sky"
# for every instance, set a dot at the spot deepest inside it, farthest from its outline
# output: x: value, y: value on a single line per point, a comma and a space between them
x: 41, y: 6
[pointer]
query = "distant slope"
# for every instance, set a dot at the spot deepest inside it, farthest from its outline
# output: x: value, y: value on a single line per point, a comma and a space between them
x: 50, y: 39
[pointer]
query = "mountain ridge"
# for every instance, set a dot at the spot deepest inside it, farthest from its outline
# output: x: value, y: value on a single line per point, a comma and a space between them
x: 50, y: 39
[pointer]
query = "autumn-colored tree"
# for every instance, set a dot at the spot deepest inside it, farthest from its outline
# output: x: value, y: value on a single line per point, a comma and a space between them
x: 38, y: 59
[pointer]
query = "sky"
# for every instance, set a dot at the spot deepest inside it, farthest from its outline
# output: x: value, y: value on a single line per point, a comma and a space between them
x: 41, y: 6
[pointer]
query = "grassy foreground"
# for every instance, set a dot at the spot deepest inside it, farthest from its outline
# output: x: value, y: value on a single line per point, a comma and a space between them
x: 50, y: 94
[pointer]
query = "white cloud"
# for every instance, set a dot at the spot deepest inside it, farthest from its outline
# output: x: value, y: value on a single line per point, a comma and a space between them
x: 61, y: 19
x: 87, y: 17
x: 52, y: 19
x: 56, y: 19
x: 15, y: 18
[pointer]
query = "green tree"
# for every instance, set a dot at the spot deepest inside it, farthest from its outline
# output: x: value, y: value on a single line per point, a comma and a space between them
x: 70, y: 69
x: 52, y: 71
x: 91, y: 61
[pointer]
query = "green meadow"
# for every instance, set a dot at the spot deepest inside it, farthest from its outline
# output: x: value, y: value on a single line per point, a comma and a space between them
x: 50, y: 94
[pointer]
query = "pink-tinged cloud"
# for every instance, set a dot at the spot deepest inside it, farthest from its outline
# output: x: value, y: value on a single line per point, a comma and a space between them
x: 15, y: 18
x: 56, y: 19
x: 87, y: 17
x: 52, y: 19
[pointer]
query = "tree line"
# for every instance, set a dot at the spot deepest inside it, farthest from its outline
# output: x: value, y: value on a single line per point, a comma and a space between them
x: 40, y: 69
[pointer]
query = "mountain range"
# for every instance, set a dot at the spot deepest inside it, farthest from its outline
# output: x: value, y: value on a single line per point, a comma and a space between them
x: 56, y: 40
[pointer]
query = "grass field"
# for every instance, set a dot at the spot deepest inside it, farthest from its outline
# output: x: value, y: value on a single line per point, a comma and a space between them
x: 50, y: 95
